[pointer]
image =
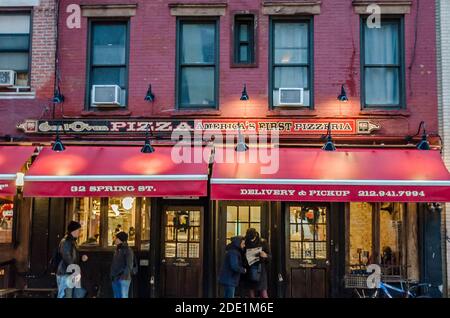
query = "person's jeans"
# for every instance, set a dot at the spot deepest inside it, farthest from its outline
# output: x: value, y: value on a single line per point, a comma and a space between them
x: 65, y: 292
x: 228, y: 291
x: 121, y: 288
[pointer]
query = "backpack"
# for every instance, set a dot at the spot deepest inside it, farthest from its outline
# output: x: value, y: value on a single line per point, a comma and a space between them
x: 54, y: 261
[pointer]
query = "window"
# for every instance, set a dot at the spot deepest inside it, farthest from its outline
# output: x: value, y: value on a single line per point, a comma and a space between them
x: 197, y: 64
x: 376, y: 236
x: 291, y: 60
x: 102, y: 218
x: 87, y: 213
x: 241, y: 218
x: 308, y: 232
x: 182, y: 234
x: 109, y: 58
x: 6, y: 221
x: 122, y: 218
x: 382, y: 64
x: 244, y: 39
x: 15, y: 45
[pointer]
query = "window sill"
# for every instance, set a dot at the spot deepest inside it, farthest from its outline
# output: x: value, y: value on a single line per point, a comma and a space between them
x: 17, y: 95
x: 385, y: 112
x: 106, y: 112
x: 196, y: 112
x: 292, y: 111
x: 236, y: 65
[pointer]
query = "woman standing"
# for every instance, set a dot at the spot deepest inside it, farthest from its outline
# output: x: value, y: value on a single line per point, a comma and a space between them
x: 256, y: 278
x: 232, y: 267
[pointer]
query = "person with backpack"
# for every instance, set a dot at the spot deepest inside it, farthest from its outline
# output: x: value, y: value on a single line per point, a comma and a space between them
x: 122, y: 267
x: 68, y: 276
x: 232, y: 267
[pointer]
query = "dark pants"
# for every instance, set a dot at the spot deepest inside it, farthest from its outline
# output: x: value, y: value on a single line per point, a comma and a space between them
x: 228, y: 291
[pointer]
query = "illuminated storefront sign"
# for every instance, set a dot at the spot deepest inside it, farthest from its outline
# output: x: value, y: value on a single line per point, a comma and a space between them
x: 308, y: 126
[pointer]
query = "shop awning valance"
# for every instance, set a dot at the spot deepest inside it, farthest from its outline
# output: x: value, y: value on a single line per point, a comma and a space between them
x: 12, y: 160
x: 118, y: 171
x: 344, y: 175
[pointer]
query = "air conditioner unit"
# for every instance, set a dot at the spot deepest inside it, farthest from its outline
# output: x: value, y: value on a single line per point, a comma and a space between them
x: 106, y: 95
x: 291, y: 96
x: 7, y: 78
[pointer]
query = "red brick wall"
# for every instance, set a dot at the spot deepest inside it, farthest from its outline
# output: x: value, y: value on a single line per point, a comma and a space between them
x: 336, y: 61
x: 42, y: 72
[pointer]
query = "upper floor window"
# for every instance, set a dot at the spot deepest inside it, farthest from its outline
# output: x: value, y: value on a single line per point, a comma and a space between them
x: 382, y: 64
x: 244, y: 40
x: 197, y: 75
x: 108, y: 64
x: 291, y: 63
x: 14, y: 49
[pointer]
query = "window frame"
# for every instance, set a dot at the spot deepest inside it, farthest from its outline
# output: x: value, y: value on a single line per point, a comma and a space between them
x: 310, y: 65
x: 399, y: 19
x: 197, y: 20
x: 90, y: 67
x: 30, y: 40
x: 240, y: 18
x: 104, y: 223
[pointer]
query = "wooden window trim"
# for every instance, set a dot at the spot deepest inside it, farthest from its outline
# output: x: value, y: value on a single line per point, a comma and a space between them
x: 90, y: 67
x: 310, y: 64
x: 402, y: 79
x: 216, y: 64
x: 234, y: 36
x: 23, y: 11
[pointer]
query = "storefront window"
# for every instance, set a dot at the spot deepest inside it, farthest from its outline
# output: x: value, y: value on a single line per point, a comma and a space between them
x: 182, y: 234
x: 87, y: 212
x: 360, y: 235
x: 240, y: 218
x: 145, y: 225
x: 391, y: 233
x: 308, y: 232
x: 6, y: 221
x: 122, y: 217
x: 376, y: 237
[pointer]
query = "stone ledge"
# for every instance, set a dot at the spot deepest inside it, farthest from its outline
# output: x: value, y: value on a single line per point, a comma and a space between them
x: 387, y: 6
x: 291, y: 8
x: 197, y: 9
x: 108, y: 10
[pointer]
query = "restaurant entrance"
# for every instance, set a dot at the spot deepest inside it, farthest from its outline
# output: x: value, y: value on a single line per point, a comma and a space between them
x: 307, y: 250
x: 182, y: 251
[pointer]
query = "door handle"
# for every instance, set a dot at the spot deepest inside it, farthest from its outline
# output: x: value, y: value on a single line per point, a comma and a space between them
x: 327, y: 262
x: 163, y: 261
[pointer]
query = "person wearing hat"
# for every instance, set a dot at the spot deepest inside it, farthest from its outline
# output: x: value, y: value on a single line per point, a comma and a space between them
x: 122, y: 266
x: 68, y: 252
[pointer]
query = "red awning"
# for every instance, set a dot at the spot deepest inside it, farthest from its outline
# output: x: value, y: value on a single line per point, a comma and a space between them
x: 118, y: 171
x: 344, y: 175
x: 12, y: 159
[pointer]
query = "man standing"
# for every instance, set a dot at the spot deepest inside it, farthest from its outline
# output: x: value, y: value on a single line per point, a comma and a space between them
x: 68, y: 275
x: 122, y: 266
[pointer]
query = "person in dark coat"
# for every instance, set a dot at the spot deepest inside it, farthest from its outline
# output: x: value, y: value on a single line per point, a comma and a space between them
x: 122, y: 266
x: 68, y: 274
x: 232, y: 267
x: 252, y: 241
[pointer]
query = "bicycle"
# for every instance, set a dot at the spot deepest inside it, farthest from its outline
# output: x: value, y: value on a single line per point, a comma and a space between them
x: 386, y: 290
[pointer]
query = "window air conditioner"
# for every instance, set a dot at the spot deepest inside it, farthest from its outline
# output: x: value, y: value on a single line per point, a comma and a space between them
x: 291, y: 96
x: 7, y: 78
x: 106, y: 95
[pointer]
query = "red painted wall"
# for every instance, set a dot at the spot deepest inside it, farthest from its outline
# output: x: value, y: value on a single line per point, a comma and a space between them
x: 336, y: 61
